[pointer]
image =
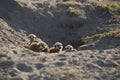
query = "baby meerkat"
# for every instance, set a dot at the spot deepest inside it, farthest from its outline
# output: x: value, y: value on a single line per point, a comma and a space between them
x: 39, y: 47
x: 43, y: 47
x: 69, y: 48
x: 57, y: 47
x: 36, y: 44
x: 31, y: 38
x: 34, y: 38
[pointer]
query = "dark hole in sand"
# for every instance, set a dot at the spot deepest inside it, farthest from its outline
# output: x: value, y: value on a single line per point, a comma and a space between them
x: 61, y: 27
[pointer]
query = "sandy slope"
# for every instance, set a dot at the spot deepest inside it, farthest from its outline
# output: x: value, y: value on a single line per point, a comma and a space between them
x: 50, y: 22
x: 24, y: 64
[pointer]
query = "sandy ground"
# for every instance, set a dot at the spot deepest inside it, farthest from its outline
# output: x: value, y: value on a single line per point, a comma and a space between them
x: 50, y: 21
x: 82, y: 65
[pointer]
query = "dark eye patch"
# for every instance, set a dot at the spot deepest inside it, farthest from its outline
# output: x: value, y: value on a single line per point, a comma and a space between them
x: 42, y: 45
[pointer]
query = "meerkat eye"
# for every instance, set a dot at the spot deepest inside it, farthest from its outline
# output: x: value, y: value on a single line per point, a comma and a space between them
x: 42, y: 45
x: 57, y: 46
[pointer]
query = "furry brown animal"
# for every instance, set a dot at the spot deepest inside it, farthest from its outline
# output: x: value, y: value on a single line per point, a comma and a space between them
x: 39, y: 47
x: 34, y: 38
x: 43, y: 47
x: 34, y: 46
x: 57, y: 47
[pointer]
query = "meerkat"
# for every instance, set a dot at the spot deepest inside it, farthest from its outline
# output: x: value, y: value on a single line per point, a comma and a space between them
x: 43, y: 47
x: 39, y: 47
x: 34, y: 38
x: 69, y: 48
x: 57, y: 47
x: 37, y: 44
x: 31, y: 38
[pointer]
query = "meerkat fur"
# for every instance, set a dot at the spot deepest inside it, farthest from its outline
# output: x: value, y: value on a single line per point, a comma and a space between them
x: 34, y: 46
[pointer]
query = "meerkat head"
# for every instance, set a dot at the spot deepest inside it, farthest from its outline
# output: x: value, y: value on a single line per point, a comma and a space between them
x: 69, y: 48
x: 58, y: 45
x: 42, y: 46
x: 32, y: 37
